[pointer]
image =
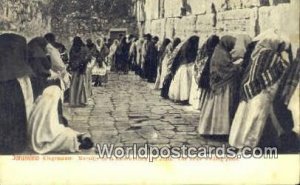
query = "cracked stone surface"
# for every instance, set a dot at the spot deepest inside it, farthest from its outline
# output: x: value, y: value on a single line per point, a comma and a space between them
x: 128, y: 111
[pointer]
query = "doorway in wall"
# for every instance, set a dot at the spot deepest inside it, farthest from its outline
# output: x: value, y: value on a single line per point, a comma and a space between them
x: 117, y: 33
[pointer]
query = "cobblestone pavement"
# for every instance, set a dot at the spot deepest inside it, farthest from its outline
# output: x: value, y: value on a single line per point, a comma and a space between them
x: 128, y: 111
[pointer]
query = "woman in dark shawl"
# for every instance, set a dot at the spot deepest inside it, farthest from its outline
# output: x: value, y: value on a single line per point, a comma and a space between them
x: 166, y: 75
x: 122, y: 56
x: 218, y: 111
x: 79, y: 58
x: 16, y: 96
x: 151, y: 59
x: 200, y: 83
x: 181, y: 68
x: 161, y: 55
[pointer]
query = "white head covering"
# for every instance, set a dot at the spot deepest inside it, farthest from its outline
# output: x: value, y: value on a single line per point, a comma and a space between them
x: 270, y: 39
x: 268, y: 34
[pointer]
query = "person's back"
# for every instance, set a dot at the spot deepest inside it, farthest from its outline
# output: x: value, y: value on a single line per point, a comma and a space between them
x: 78, y: 59
x: 16, y: 93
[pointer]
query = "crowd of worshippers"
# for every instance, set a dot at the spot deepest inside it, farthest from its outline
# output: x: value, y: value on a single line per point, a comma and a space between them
x: 34, y: 79
x: 246, y: 89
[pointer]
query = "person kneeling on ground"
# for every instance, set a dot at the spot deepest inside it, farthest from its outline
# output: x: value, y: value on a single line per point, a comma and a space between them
x: 46, y: 133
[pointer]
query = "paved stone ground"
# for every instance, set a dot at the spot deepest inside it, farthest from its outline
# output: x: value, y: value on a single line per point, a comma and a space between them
x: 128, y: 111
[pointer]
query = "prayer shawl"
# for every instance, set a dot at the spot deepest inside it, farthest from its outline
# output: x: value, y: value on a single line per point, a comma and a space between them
x: 102, y: 54
x: 173, y: 55
x: 13, y: 57
x: 171, y: 52
x: 62, y: 50
x: 222, y: 69
x: 58, y: 69
x: 201, y: 67
x: 112, y: 50
x: 265, y: 69
x: 144, y: 52
x: 58, y: 66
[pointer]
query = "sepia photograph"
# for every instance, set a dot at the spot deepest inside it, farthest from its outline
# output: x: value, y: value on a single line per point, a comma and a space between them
x: 149, y: 92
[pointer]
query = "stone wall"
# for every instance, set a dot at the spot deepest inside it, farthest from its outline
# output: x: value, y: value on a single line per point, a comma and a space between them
x: 91, y: 18
x: 183, y: 18
x: 29, y: 18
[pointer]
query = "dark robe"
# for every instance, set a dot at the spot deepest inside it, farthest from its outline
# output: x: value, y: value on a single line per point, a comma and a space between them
x: 13, y: 58
x: 13, y: 65
x: 222, y: 69
x: 187, y: 54
x: 122, y: 56
x: 79, y: 58
x: 151, y: 62
x: 202, y: 68
x: 40, y: 64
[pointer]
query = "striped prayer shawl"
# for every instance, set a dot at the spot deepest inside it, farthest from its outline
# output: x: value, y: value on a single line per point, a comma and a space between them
x: 265, y: 70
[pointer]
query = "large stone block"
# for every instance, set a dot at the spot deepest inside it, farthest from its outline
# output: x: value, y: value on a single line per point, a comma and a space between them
x: 148, y: 9
x: 275, y: 17
x: 240, y: 21
x: 198, y: 6
x: 157, y: 28
x: 189, y: 25
x: 163, y: 28
x: 276, y: 2
x: 169, y: 28
x: 238, y: 4
x: 140, y: 11
x: 173, y: 8
x: 204, y: 26
x: 220, y: 5
x: 179, y: 28
x: 155, y: 9
x: 148, y: 26
x: 284, y: 17
x: 253, y: 3
x: 152, y: 9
